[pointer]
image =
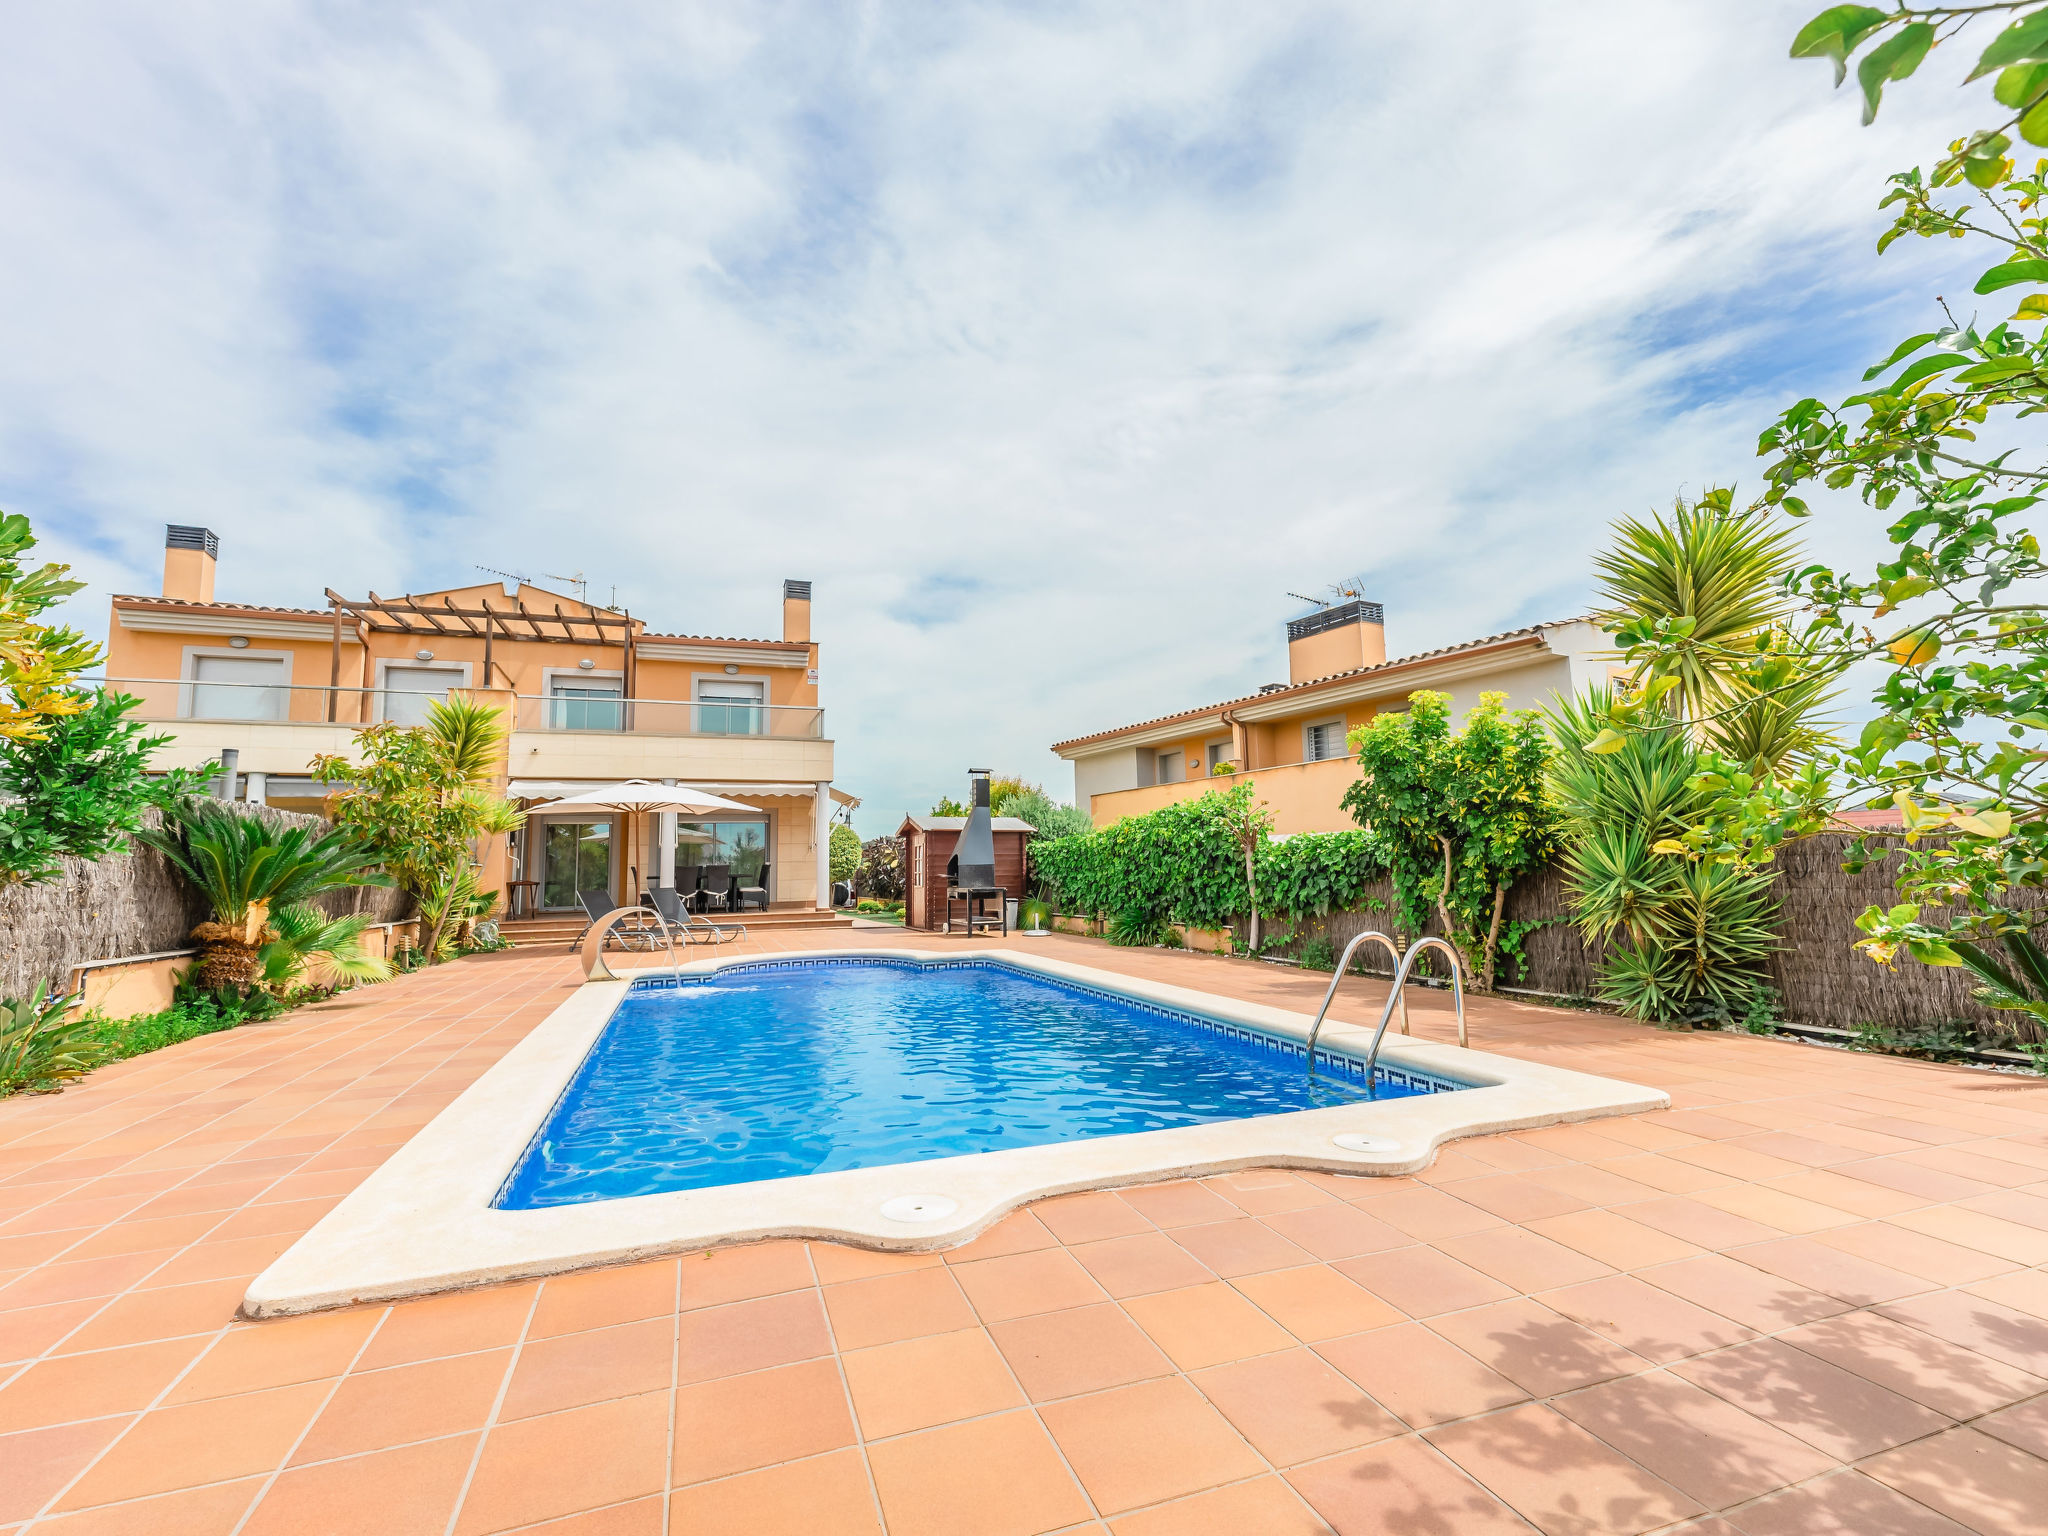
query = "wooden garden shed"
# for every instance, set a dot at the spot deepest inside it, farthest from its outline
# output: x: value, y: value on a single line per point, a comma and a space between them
x: 928, y: 842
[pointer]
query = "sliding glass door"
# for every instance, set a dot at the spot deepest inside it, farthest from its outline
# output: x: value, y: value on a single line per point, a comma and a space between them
x: 575, y: 856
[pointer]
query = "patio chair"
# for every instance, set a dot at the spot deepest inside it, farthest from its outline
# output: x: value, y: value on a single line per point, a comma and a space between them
x: 689, y: 881
x: 695, y: 930
x: 755, y: 895
x: 714, y: 885
x: 598, y: 905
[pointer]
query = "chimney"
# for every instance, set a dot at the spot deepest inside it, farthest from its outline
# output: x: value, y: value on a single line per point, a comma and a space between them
x: 796, y: 611
x: 1340, y: 639
x: 190, y: 555
x: 973, y: 865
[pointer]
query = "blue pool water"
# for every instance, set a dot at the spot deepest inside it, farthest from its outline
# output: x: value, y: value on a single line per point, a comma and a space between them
x: 769, y: 1070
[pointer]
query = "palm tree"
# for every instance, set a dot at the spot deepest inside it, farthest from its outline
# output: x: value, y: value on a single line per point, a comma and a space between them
x: 245, y: 867
x: 471, y: 738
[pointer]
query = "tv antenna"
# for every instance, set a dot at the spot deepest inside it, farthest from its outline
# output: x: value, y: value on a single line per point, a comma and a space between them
x: 492, y: 570
x: 577, y: 581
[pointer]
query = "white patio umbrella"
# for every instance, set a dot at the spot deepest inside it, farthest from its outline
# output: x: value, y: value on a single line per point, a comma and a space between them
x: 640, y: 795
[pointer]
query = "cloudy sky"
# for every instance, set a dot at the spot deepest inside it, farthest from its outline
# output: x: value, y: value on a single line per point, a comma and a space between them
x: 1056, y: 343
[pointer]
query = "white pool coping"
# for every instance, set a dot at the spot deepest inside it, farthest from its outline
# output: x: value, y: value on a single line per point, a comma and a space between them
x: 424, y: 1221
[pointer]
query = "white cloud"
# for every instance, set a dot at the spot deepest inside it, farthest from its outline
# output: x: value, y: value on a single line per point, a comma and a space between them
x: 1054, y: 343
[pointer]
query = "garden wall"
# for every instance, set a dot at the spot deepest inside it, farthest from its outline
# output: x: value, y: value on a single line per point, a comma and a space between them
x: 131, y: 904
x: 1821, y: 977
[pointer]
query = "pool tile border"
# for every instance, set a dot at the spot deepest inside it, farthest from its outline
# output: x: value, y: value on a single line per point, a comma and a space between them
x: 424, y: 1221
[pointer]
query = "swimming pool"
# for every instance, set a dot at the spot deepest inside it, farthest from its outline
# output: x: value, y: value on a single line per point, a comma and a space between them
x: 780, y: 1069
x: 432, y: 1216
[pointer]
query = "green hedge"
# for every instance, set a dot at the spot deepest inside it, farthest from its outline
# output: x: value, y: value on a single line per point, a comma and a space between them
x: 1178, y: 863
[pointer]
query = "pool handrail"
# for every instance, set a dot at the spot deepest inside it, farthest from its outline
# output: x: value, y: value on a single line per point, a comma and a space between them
x: 1395, y: 994
x: 592, y: 950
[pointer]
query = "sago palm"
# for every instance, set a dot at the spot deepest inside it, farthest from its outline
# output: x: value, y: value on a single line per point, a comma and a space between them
x: 308, y: 945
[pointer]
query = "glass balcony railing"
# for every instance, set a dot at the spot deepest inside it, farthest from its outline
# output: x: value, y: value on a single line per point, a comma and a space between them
x: 588, y: 712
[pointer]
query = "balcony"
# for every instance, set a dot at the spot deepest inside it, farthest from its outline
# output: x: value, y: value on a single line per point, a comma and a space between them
x: 280, y: 727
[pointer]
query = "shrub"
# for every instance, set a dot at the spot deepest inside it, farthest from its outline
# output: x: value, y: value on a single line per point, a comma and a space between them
x: 1318, y: 954
x: 845, y: 852
x: 881, y: 869
x: 1137, y: 928
x: 39, y: 1047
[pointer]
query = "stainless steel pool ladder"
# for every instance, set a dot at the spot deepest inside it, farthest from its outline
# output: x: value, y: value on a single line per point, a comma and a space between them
x: 592, y: 953
x: 1395, y: 994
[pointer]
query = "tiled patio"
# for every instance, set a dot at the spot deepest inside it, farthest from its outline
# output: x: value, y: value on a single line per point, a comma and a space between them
x: 1806, y: 1301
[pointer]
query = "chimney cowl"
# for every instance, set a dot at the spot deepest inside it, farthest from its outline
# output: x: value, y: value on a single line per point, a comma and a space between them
x: 796, y: 591
x: 182, y: 536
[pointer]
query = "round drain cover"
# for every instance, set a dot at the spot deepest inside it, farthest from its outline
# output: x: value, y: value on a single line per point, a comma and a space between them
x: 1358, y: 1141
x: 919, y: 1208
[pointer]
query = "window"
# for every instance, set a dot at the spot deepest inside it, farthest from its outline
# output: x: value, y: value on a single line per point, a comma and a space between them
x: 1219, y: 752
x: 1322, y: 740
x: 740, y: 845
x: 1169, y: 768
x: 237, y: 688
x: 585, y: 704
x: 917, y: 879
x: 409, y: 690
x: 730, y: 707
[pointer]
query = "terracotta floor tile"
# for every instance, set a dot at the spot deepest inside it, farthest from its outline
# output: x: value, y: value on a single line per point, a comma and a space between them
x: 999, y: 1476
x: 1402, y: 1487
x: 1846, y: 1504
x: 162, y: 1313
x: 66, y: 1387
x: 1827, y: 1269
x: 2025, y: 1426
x: 573, y: 1369
x: 836, y: 1262
x: 1643, y: 1319
x: 825, y: 1496
x: 1831, y: 1409
x: 1987, y: 1234
x: 1337, y: 1231
x: 1429, y: 1214
x: 901, y: 1306
x: 753, y: 1335
x: 252, y: 1356
x: 738, y: 1423
x: 76, y: 1282
x: 1702, y: 1445
x: 1179, y: 1204
x: 246, y: 1256
x: 1058, y: 1354
x: 1423, y: 1282
x: 1518, y: 1198
x: 1668, y: 1174
x: 1538, y: 1349
x: 1206, y: 1325
x: 539, y: 1469
x: 406, y: 1492
x: 1419, y: 1375
x: 1240, y: 1247
x: 1293, y: 1407
x: 376, y: 1409
x: 1746, y: 1295
x: 1689, y: 1219
x: 1859, y: 1197
x: 1985, y: 1484
x: 1557, y: 1476
x: 165, y: 1233
x: 1267, y: 1191
x: 1135, y: 1265
x: 1025, y: 1284
x: 1090, y: 1217
x: 638, y: 1517
x: 204, y: 1511
x: 36, y: 1463
x: 1316, y: 1302
x: 1915, y: 1253
x: 1154, y: 1440
x: 30, y: 1331
x: 1946, y: 1377
x: 1018, y: 1232
x: 601, y: 1298
x: 1613, y: 1239
x: 450, y: 1325
x: 1266, y: 1505
x: 917, y: 1383
x: 2024, y: 1290
x: 198, y: 1443
x: 1985, y: 1326
x: 1523, y: 1260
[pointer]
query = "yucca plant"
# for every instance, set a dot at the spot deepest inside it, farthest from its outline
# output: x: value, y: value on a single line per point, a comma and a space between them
x: 2020, y: 986
x: 246, y: 868
x: 39, y: 1047
x: 305, y: 944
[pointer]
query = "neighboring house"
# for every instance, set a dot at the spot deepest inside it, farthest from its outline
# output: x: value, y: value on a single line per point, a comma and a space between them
x: 592, y: 695
x: 1289, y: 737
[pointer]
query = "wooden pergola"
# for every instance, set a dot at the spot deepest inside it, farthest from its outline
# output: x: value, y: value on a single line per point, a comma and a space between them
x: 515, y: 621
